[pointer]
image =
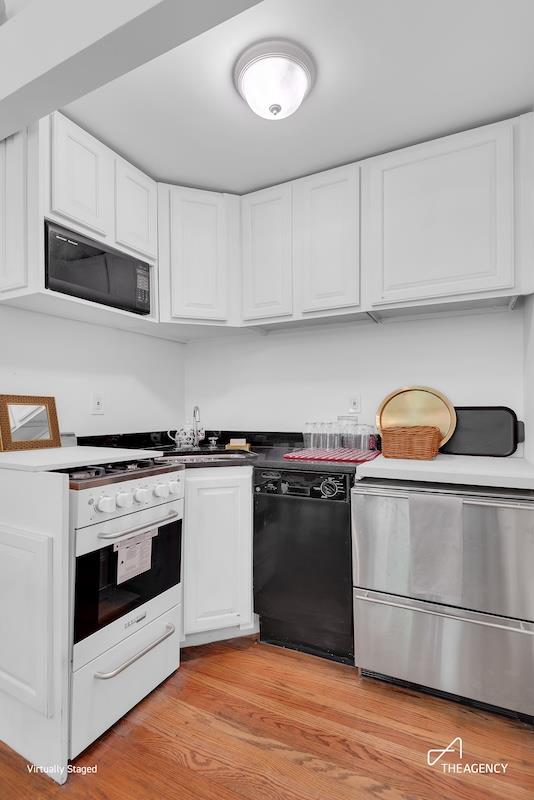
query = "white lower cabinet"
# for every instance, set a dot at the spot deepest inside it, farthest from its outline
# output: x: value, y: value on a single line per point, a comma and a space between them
x: 106, y: 688
x: 217, y: 548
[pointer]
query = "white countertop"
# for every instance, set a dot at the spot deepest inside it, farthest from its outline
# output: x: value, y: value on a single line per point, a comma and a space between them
x: 511, y: 473
x: 66, y: 457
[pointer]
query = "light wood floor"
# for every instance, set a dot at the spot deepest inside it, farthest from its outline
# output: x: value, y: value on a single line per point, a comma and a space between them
x: 246, y: 721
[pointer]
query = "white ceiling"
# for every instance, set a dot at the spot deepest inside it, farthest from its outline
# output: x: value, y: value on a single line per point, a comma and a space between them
x: 389, y: 73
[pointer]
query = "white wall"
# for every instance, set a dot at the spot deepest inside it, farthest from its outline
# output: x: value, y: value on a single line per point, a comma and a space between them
x: 280, y: 381
x: 140, y: 378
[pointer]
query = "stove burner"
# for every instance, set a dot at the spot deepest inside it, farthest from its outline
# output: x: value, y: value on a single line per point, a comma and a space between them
x: 128, y: 466
x: 120, y: 468
x: 86, y: 473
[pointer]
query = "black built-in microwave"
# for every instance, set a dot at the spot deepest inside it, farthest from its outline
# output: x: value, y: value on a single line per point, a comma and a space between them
x: 81, y: 267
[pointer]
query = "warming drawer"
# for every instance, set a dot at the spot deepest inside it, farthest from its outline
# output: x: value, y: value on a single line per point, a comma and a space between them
x: 465, y: 551
x: 105, y: 689
x: 467, y: 654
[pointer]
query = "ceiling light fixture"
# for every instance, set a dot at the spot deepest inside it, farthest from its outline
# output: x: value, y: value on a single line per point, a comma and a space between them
x: 274, y: 77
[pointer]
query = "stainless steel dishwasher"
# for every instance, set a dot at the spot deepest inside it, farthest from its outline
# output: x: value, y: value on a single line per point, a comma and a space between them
x: 444, y: 588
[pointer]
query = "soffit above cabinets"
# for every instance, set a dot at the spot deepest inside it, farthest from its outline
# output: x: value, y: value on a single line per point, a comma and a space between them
x: 389, y: 74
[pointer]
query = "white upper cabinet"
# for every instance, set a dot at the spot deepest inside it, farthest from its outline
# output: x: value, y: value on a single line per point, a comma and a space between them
x: 267, y: 258
x: 13, y: 247
x: 326, y: 239
x: 439, y: 218
x: 217, y: 548
x: 198, y: 254
x: 82, y: 177
x: 136, y: 209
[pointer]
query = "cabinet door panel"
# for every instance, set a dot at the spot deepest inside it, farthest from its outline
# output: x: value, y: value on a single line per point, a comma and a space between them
x: 135, y: 209
x: 441, y: 217
x: 326, y: 239
x: 82, y: 176
x: 217, y: 549
x: 13, y: 212
x: 198, y: 254
x: 26, y: 636
x: 267, y: 258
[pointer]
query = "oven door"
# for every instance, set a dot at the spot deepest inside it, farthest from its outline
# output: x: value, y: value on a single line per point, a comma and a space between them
x: 123, y: 564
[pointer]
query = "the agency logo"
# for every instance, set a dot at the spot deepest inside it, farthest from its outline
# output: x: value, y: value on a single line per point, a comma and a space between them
x: 437, y: 755
x: 433, y: 756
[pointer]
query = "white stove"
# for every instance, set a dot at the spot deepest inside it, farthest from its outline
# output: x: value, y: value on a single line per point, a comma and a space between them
x: 126, y: 524
x: 104, y: 492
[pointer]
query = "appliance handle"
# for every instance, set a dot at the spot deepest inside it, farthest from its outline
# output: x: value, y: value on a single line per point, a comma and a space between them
x: 105, y: 676
x: 458, y: 617
x: 381, y: 493
x: 496, y: 504
x: 142, y: 528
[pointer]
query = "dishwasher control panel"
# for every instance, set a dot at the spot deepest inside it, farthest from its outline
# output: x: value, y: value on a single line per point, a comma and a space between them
x: 294, y: 483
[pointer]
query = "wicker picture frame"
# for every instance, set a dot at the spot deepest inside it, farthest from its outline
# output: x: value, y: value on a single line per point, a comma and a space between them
x: 7, y: 443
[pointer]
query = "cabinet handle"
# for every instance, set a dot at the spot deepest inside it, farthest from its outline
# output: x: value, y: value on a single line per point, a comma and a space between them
x: 105, y: 676
x: 142, y: 528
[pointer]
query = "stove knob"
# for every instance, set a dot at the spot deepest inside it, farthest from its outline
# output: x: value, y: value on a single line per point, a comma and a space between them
x: 161, y: 490
x: 174, y: 486
x: 142, y: 495
x: 124, y: 499
x: 106, y: 504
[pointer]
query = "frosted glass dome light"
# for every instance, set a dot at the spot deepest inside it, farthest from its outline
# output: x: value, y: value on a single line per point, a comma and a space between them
x: 274, y: 78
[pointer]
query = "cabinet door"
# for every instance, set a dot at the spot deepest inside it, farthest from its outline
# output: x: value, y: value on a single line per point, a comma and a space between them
x: 82, y: 177
x: 440, y: 217
x: 217, y: 548
x: 267, y: 261
x: 326, y: 239
x: 13, y: 214
x: 26, y: 631
x: 136, y: 210
x: 198, y: 262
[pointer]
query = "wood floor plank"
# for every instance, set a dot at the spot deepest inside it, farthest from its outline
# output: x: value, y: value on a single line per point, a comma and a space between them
x: 246, y: 721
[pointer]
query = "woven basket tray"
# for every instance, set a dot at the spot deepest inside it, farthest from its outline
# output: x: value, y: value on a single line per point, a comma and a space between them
x: 419, y: 442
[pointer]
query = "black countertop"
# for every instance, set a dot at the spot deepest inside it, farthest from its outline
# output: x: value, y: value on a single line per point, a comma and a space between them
x: 267, y: 449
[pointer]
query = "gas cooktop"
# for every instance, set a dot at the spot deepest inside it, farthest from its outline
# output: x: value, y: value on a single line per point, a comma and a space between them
x: 102, y: 474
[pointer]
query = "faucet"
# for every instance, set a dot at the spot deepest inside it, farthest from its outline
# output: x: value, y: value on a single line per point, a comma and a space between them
x: 196, y: 425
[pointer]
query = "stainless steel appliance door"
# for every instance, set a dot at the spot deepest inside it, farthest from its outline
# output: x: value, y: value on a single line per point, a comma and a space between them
x: 478, y: 656
x: 464, y: 551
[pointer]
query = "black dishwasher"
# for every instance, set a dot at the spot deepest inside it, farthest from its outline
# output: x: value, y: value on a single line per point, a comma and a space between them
x: 303, y: 561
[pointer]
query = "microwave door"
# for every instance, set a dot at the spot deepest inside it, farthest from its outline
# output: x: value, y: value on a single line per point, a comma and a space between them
x: 76, y: 267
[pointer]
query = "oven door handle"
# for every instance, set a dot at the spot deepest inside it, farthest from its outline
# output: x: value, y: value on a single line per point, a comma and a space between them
x: 105, y: 676
x: 142, y: 528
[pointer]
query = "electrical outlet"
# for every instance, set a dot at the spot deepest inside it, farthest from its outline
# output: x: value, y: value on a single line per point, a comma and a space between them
x: 97, y: 404
x: 355, y: 403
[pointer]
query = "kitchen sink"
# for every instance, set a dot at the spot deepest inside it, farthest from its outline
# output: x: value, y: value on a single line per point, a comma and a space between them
x: 201, y: 458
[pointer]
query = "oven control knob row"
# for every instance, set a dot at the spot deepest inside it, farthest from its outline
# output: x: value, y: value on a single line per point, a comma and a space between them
x: 106, y: 504
x: 124, y: 499
x: 142, y: 495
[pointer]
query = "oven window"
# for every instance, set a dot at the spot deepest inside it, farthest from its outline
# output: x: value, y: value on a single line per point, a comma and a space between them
x: 99, y: 599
